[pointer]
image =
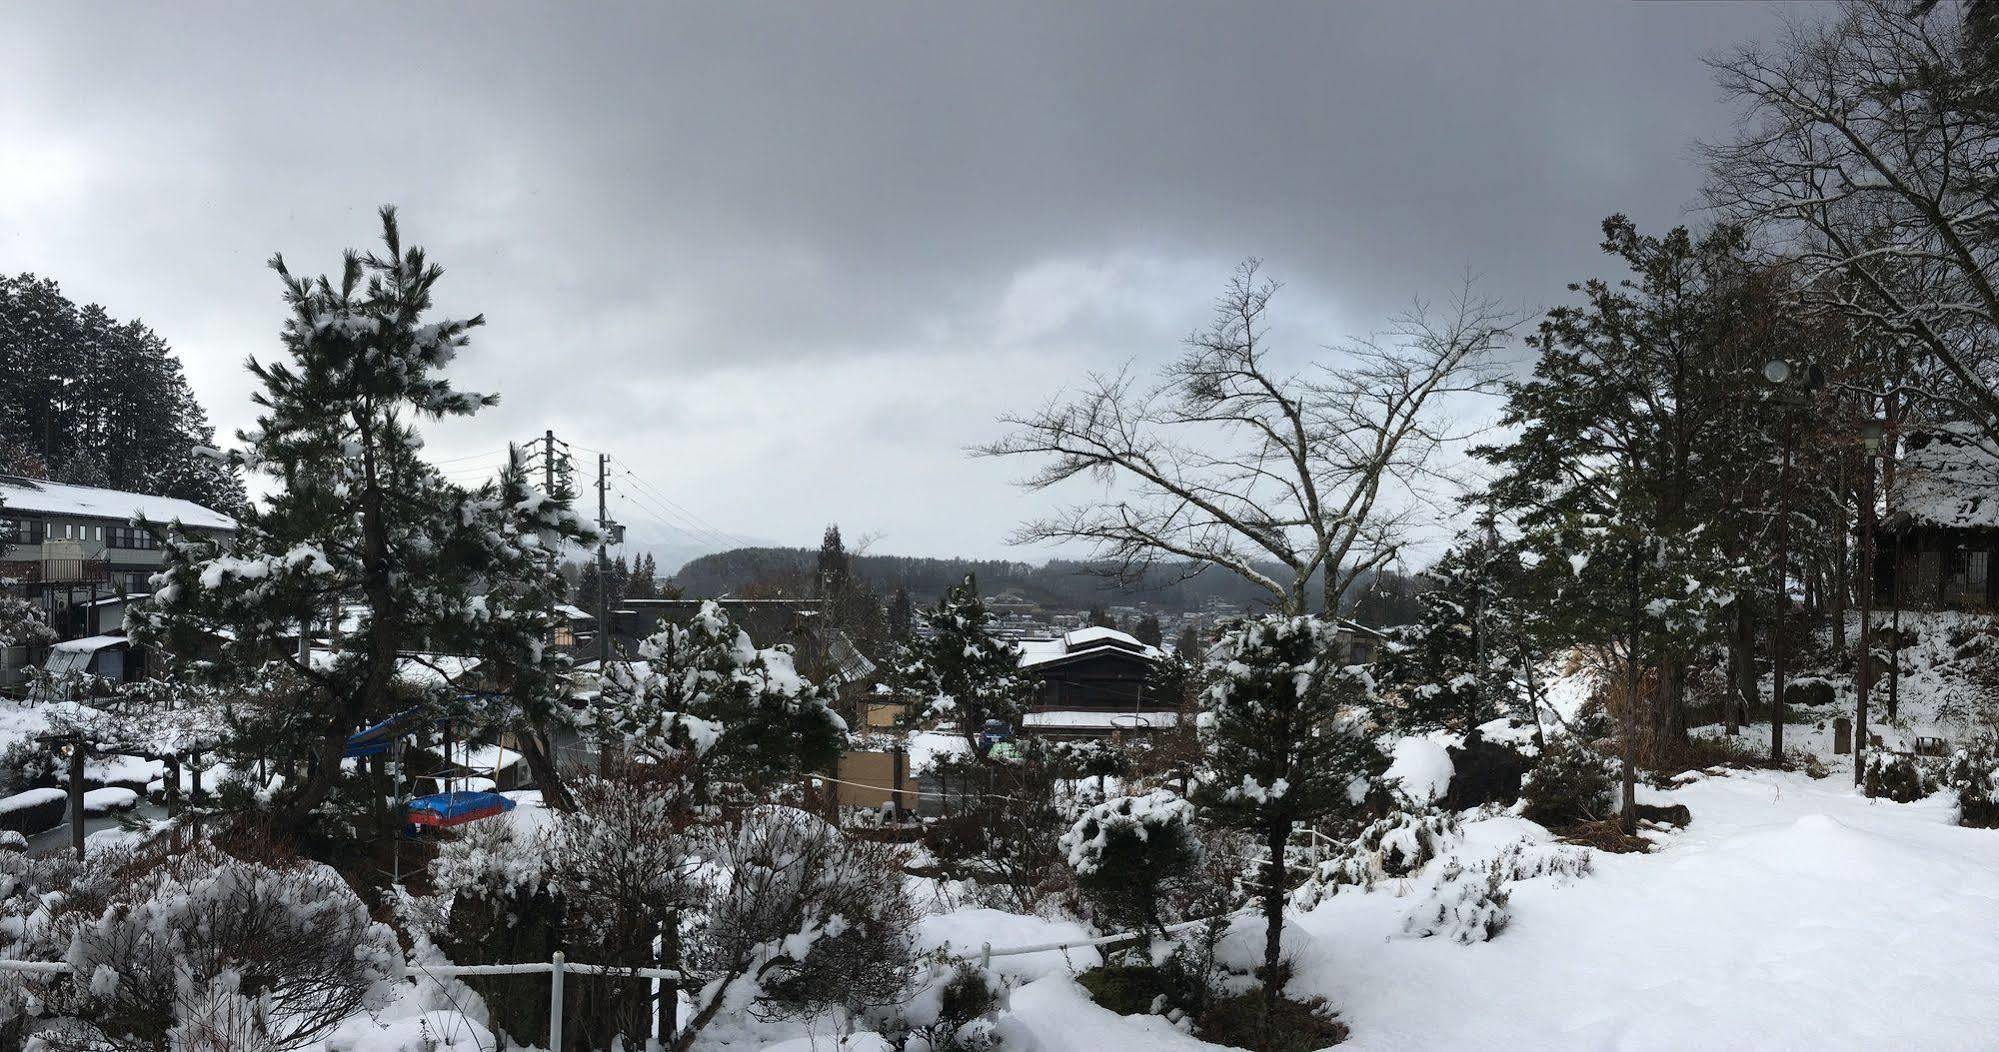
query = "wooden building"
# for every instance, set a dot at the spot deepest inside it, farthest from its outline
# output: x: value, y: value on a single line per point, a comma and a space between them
x: 1936, y: 547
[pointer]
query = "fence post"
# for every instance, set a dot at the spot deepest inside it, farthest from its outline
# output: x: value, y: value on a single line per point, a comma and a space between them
x: 986, y: 955
x: 555, y: 1003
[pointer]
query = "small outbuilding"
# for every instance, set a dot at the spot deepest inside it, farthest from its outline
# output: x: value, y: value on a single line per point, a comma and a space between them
x: 1936, y: 546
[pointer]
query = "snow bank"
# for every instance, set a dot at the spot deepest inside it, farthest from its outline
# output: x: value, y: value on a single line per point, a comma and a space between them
x: 1790, y: 914
x: 964, y: 930
x: 113, y: 798
x: 1424, y: 769
x: 33, y: 798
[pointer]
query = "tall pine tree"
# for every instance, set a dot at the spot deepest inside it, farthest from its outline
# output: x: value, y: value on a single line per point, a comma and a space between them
x: 357, y: 516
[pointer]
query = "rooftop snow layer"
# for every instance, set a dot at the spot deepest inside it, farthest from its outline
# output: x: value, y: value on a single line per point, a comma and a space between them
x: 1948, y: 476
x: 57, y: 498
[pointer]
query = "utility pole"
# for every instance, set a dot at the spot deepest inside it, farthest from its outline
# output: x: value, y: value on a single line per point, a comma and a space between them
x: 1778, y: 646
x: 603, y: 568
x: 548, y: 461
x: 1871, y: 432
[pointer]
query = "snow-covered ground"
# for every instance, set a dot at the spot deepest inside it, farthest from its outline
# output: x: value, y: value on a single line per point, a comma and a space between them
x: 1792, y: 913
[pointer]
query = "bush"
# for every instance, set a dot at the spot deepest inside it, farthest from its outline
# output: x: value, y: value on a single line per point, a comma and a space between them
x: 801, y: 917
x: 1295, y: 1026
x: 1126, y: 851
x: 1005, y: 840
x: 1972, y: 772
x: 1467, y: 906
x: 1570, y: 784
x: 953, y: 1009
x: 1897, y: 777
x: 206, y: 950
x: 1128, y: 989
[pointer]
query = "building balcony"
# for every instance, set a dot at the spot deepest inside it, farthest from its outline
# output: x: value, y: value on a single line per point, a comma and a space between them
x: 56, y: 571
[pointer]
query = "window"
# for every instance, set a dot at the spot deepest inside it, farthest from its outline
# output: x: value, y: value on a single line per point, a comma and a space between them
x: 69, y: 531
x: 130, y: 537
x: 99, y: 531
x: 1969, y: 571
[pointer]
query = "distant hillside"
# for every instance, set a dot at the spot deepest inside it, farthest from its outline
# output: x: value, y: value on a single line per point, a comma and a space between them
x: 1059, y: 584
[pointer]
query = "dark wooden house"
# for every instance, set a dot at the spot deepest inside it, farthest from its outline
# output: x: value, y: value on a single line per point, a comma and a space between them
x: 1936, y: 547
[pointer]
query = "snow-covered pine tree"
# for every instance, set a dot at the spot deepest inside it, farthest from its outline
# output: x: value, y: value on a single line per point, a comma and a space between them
x: 901, y: 615
x: 705, y: 693
x: 1460, y: 664
x: 356, y: 516
x: 965, y: 671
x: 515, y: 563
x: 1288, y: 741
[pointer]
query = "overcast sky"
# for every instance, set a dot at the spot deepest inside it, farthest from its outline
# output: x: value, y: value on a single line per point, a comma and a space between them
x: 784, y: 262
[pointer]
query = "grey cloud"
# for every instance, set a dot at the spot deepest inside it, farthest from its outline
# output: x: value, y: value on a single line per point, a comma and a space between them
x: 791, y: 258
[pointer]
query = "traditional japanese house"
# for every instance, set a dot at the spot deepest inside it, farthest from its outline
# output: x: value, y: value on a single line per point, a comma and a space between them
x: 1936, y: 547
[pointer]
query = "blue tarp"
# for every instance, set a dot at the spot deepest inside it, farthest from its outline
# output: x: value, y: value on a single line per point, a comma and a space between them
x: 448, y: 806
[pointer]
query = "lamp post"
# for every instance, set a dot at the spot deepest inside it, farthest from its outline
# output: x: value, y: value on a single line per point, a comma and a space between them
x: 1791, y: 388
x: 1871, y: 431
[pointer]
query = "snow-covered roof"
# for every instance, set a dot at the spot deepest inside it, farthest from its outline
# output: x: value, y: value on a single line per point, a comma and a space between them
x: 1099, y: 719
x: 1083, y: 641
x: 58, y: 498
x: 574, y: 613
x: 1948, y: 475
x: 88, y: 644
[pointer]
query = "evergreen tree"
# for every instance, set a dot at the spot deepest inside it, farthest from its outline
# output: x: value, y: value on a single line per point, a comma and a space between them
x: 643, y: 583
x: 901, y: 616
x: 589, y: 585
x: 708, y: 696
x: 620, y: 583
x: 965, y: 671
x: 1638, y: 436
x: 358, y: 516
x: 1149, y: 631
x: 1287, y: 740
x: 103, y: 403
x: 834, y: 570
x: 1460, y: 664
x: 1187, y: 647
x: 1099, y: 617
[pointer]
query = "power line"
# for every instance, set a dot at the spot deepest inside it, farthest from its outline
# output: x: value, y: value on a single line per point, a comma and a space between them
x: 668, y: 501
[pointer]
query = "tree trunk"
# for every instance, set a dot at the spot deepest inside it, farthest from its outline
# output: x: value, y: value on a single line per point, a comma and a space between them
x: 546, y: 777
x: 1737, y: 702
x: 1278, y: 838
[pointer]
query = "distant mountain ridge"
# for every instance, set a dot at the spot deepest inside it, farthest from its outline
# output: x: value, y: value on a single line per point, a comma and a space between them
x: 1061, y: 584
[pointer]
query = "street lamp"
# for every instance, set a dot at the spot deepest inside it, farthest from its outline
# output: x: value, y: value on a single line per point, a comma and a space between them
x: 1871, y: 432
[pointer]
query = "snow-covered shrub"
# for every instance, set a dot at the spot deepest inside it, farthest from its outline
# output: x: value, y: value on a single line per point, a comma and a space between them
x: 1466, y: 906
x: 1571, y: 783
x: 202, y: 946
x: 26, y: 764
x: 1394, y: 846
x: 1973, y: 772
x: 1126, y: 851
x: 799, y: 918
x: 1898, y: 777
x: 952, y: 1007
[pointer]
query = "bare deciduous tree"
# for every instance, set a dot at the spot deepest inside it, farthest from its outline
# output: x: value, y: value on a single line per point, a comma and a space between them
x: 1870, y: 154
x: 1229, y: 461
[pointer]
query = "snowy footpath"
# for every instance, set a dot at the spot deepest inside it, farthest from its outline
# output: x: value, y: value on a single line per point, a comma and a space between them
x: 1792, y: 913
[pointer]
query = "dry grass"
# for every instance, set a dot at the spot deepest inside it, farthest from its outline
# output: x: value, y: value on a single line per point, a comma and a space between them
x: 1605, y: 836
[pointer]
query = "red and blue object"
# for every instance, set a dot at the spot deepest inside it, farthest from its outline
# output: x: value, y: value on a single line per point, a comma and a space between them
x: 443, y: 810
